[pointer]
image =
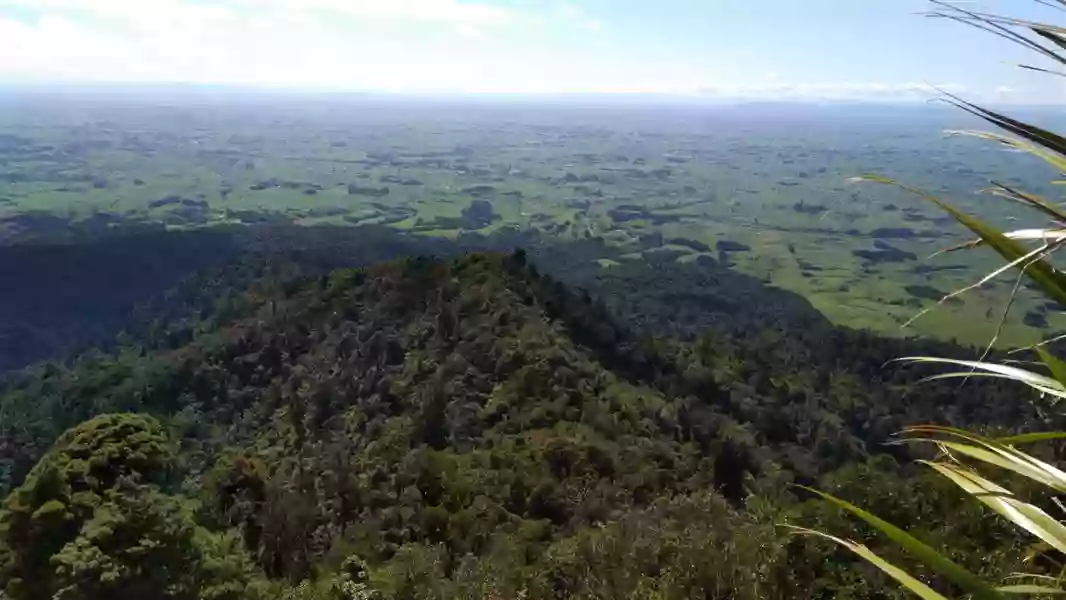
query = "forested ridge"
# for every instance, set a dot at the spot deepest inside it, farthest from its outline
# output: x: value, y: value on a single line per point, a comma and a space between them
x: 473, y: 427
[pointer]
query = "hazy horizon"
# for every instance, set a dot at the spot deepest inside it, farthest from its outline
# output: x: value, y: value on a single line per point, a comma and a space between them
x: 159, y: 91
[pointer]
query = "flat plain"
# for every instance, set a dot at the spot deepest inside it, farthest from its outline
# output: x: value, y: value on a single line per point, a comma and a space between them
x: 763, y: 187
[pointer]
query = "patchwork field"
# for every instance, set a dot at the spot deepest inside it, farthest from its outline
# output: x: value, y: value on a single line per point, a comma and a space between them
x: 763, y: 187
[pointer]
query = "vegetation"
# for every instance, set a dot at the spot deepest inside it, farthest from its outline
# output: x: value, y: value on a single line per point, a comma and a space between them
x: 763, y: 186
x: 348, y: 376
x: 961, y: 453
x: 474, y: 428
x: 93, y: 520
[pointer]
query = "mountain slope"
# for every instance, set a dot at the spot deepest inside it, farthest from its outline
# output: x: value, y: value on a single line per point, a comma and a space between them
x: 365, y: 365
x: 451, y: 424
x: 64, y: 296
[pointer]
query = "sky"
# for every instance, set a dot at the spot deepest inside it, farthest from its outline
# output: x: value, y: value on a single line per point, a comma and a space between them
x: 749, y: 49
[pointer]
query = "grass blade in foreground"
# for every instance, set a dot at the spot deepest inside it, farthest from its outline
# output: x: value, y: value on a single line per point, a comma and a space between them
x: 1022, y: 514
x: 980, y: 589
x: 1055, y: 365
x: 993, y: 453
x: 1031, y: 589
x: 1029, y: 438
x: 906, y: 579
x: 958, y: 445
x: 1041, y: 383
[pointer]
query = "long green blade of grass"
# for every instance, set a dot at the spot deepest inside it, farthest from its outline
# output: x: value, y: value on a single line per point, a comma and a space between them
x: 960, y: 448
x: 1051, y: 157
x: 1054, y: 364
x: 1047, y: 139
x: 906, y: 579
x: 1024, y: 515
x: 1037, y: 381
x: 993, y: 453
x: 1031, y: 590
x: 1029, y: 199
x: 1029, y: 438
x: 1055, y: 392
x: 928, y: 555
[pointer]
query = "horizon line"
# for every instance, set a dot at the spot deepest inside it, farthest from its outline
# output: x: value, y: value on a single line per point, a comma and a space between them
x: 459, y: 94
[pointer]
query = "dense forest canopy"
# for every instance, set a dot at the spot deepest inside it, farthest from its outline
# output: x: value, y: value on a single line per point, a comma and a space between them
x: 320, y: 422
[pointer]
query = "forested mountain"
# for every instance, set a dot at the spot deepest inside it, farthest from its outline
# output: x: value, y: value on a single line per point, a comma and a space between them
x: 65, y: 294
x: 471, y: 427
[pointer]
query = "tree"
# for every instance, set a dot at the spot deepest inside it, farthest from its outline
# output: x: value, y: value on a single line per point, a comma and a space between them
x: 92, y: 521
x: 88, y: 468
x: 137, y: 544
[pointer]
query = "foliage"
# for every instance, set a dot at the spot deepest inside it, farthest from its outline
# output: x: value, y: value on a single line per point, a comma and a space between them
x: 91, y: 521
x: 962, y: 453
x: 475, y: 428
x: 703, y: 178
x: 135, y: 545
x: 522, y: 424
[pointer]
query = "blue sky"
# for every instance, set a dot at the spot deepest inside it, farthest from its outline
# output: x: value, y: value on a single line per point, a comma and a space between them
x: 762, y: 49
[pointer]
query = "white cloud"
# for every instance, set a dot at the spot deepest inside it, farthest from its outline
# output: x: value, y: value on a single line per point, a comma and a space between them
x: 262, y: 51
x: 1005, y: 90
x: 447, y: 11
x: 397, y: 45
x: 290, y: 48
x: 570, y: 11
x: 273, y: 42
x: 57, y: 48
x: 593, y: 25
x: 439, y: 11
x: 469, y: 30
x: 148, y: 15
x: 575, y: 14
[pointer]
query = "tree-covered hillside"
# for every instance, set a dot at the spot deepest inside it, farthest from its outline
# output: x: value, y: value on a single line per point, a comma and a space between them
x: 429, y: 428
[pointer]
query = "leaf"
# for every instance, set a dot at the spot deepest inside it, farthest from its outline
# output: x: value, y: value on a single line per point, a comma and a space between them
x: 1037, y: 135
x: 1030, y: 589
x: 1029, y: 438
x: 997, y: 25
x: 1054, y: 364
x: 1042, y: 235
x: 1003, y: 460
x: 1041, y: 272
x: 933, y: 559
x: 1043, y: 70
x: 1054, y: 392
x: 1024, y: 515
x: 1019, y: 22
x: 1005, y: 457
x: 1051, y: 36
x: 1040, y: 382
x: 1029, y: 199
x: 1051, y: 157
x: 892, y: 570
x: 1046, y: 235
